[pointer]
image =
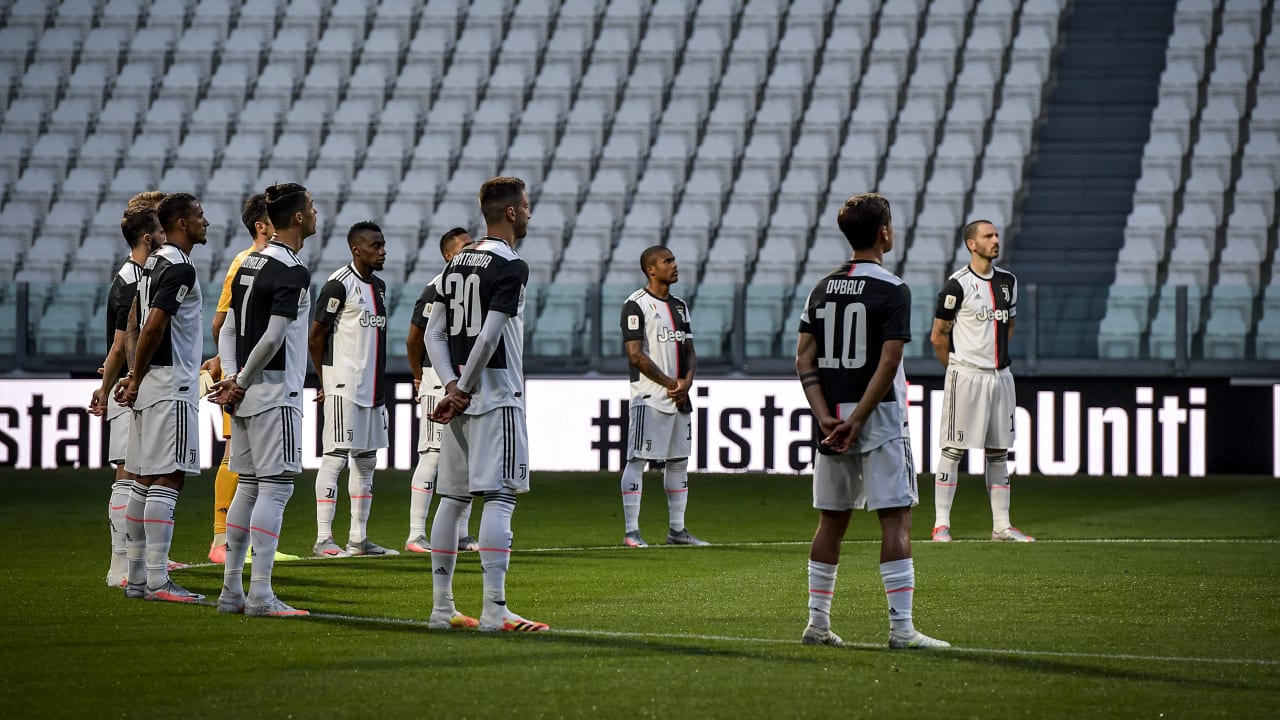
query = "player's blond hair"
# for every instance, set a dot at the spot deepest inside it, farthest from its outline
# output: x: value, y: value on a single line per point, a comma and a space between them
x: 149, y: 200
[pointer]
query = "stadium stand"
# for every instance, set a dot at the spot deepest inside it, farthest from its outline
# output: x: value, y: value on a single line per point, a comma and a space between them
x: 1125, y: 148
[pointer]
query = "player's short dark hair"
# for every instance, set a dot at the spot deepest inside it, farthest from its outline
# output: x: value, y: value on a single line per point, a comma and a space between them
x: 862, y: 217
x: 498, y: 194
x: 970, y: 230
x: 138, y: 221
x: 362, y: 226
x: 147, y: 199
x: 254, y: 212
x: 175, y: 207
x: 284, y: 200
x: 449, y: 235
x: 649, y: 257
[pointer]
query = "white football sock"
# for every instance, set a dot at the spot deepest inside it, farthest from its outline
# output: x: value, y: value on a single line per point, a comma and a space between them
x: 632, y: 487
x: 421, y: 488
x: 264, y: 533
x: 360, y: 488
x: 331, y: 467
x: 239, y: 518
x: 116, y: 507
x: 444, y: 553
x: 676, y: 481
x: 899, y: 578
x: 495, y: 546
x: 997, y: 475
x: 159, y: 521
x: 136, y: 533
x: 944, y: 485
x: 822, y: 588
x: 464, y: 521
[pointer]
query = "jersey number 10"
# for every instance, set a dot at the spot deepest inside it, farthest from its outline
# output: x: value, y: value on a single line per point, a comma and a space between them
x: 853, y: 335
x: 464, y: 303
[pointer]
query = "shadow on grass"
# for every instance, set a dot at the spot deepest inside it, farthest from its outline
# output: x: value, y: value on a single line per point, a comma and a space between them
x: 1024, y: 663
x: 580, y: 640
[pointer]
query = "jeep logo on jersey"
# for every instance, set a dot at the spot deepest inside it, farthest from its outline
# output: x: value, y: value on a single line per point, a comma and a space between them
x: 374, y: 321
x: 667, y: 335
x: 999, y: 315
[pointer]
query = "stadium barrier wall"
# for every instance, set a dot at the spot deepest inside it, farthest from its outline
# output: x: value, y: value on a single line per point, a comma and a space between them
x: 1111, y: 426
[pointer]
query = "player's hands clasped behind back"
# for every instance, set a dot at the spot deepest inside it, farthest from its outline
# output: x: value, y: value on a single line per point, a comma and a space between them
x: 213, y: 366
x: 126, y: 391
x: 98, y: 403
x: 839, y: 435
x: 226, y: 392
x: 454, y: 403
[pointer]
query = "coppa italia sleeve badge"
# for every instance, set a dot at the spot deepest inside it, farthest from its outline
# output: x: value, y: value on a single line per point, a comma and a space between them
x: 633, y: 322
x: 333, y: 304
x: 950, y: 302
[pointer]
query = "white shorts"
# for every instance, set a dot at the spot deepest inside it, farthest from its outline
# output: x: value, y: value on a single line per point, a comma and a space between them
x: 348, y: 426
x: 485, y: 453
x: 268, y: 444
x: 118, y: 442
x: 163, y: 439
x: 884, y: 477
x: 978, y: 408
x: 429, y: 433
x: 655, y: 435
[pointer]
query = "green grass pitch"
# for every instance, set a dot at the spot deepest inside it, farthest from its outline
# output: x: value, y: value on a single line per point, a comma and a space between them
x: 1144, y: 598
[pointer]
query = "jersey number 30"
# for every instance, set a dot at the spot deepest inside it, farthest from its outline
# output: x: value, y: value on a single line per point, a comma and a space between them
x: 464, y: 303
x: 852, y: 337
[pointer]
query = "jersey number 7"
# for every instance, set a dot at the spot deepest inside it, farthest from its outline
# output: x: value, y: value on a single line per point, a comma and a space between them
x: 247, y: 281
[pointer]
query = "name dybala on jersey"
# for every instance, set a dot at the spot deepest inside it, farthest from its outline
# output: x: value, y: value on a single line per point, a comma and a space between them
x: 272, y: 281
x: 487, y: 275
x: 851, y: 313
x: 355, y: 352
x: 124, y: 288
x: 981, y: 309
x: 662, y: 327
x: 169, y: 283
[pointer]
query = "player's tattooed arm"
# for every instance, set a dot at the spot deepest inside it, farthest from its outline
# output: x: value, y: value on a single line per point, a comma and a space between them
x: 940, y: 338
x: 807, y: 370
x: 643, y: 363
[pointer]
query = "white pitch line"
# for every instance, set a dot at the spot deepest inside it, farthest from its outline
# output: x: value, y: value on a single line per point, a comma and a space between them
x: 797, y: 543
x: 858, y: 645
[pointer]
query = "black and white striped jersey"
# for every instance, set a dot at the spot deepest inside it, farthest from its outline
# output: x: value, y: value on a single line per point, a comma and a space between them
x: 169, y: 283
x: 981, y: 308
x: 355, y: 352
x: 663, y: 326
x: 272, y: 281
x: 851, y: 313
x: 487, y: 275
x: 124, y: 288
x: 430, y: 384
